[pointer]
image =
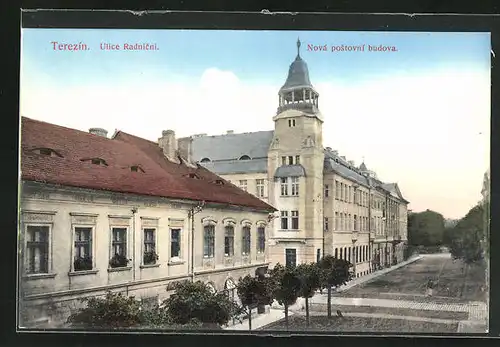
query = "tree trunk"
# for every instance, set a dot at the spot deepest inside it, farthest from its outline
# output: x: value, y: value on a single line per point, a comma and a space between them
x: 286, y: 316
x: 307, y: 312
x: 249, y: 318
x: 329, y: 302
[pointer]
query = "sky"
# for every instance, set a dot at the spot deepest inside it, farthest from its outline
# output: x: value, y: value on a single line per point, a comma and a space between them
x: 418, y: 116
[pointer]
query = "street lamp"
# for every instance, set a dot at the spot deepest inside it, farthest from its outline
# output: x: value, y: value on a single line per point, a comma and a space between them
x: 191, y: 212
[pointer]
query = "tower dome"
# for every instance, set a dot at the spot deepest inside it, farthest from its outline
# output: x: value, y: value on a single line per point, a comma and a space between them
x: 298, y: 92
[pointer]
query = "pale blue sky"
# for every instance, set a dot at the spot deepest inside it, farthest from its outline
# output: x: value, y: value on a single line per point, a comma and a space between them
x: 419, y: 116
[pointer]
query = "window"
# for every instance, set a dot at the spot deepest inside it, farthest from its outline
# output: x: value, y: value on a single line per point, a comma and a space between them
x: 47, y: 151
x: 37, y: 249
x: 96, y: 161
x: 297, y: 159
x: 318, y: 255
x: 341, y: 191
x: 83, y: 249
x: 295, y: 186
x: 119, y: 241
x: 284, y: 186
x: 149, y: 247
x: 349, y: 222
x: 175, y: 243
x: 295, y: 220
x: 327, y: 227
x: 337, y: 189
x: 245, y: 157
x: 260, y: 187
x: 261, y: 239
x: 290, y: 160
x: 136, y: 168
x: 290, y: 257
x: 119, y: 248
x: 243, y: 185
x: 205, y: 160
x: 283, y: 160
x: 208, y: 241
x: 229, y: 241
x: 341, y: 254
x: 245, y: 241
x: 337, y: 221
x: 336, y: 253
x: 355, y: 223
x: 291, y: 123
x: 284, y: 220
x: 327, y: 190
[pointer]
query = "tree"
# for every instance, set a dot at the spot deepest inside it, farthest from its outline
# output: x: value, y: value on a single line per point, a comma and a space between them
x: 284, y: 285
x: 115, y: 310
x: 468, y: 236
x: 425, y: 228
x: 308, y: 275
x: 194, y: 303
x: 252, y: 292
x: 333, y: 273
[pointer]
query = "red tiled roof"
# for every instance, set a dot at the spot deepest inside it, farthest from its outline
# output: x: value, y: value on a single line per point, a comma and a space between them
x: 161, y: 177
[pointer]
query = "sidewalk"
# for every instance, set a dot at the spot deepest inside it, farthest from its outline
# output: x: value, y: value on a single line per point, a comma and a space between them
x: 373, y: 275
x: 261, y: 320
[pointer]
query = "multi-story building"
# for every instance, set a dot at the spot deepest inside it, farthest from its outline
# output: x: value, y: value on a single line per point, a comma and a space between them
x: 125, y: 214
x: 326, y: 204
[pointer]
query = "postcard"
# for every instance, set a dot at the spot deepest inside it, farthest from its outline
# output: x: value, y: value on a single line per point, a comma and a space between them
x: 254, y: 180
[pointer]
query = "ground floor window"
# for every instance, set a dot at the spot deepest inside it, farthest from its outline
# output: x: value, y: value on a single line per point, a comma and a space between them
x: 290, y: 257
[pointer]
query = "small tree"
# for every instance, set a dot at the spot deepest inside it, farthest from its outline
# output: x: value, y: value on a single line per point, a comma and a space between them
x: 252, y: 292
x: 113, y: 311
x: 195, y: 302
x: 308, y: 275
x: 333, y: 273
x: 285, y: 286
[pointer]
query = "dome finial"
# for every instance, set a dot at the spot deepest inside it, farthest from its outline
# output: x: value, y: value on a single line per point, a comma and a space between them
x: 298, y: 47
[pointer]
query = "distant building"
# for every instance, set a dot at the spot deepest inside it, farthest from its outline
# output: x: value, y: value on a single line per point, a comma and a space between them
x: 327, y: 204
x: 120, y: 214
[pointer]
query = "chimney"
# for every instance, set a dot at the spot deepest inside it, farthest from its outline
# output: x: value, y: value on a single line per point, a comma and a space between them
x: 185, y: 148
x: 230, y: 132
x: 168, y: 144
x: 99, y: 132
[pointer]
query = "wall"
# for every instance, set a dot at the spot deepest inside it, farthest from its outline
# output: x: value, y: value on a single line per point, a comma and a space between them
x: 52, y: 295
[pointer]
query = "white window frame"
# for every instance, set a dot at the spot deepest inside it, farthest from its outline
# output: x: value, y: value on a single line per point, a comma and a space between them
x: 284, y: 215
x: 284, y: 186
x: 260, y: 187
x: 243, y: 184
x: 294, y: 214
x: 127, y: 244
x: 49, y: 251
x: 92, y: 245
x: 260, y: 225
x: 179, y: 257
x: 294, y: 186
x: 143, y: 245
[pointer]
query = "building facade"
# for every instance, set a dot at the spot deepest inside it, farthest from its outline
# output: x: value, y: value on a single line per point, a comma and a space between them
x: 326, y: 204
x: 127, y: 215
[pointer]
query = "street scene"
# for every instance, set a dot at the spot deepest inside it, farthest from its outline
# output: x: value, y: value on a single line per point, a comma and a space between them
x: 283, y: 181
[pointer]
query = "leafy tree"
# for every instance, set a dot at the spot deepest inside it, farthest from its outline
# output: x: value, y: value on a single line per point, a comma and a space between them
x: 468, y: 236
x: 194, y: 303
x: 285, y: 286
x: 309, y: 277
x: 425, y: 228
x: 333, y: 273
x: 113, y: 311
x: 252, y: 292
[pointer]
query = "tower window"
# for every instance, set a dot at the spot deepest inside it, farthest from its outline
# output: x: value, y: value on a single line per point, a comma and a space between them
x: 283, y: 160
x: 291, y: 123
x: 297, y: 159
x: 290, y: 160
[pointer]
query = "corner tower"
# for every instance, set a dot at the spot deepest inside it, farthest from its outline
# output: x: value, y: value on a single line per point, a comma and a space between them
x: 295, y: 167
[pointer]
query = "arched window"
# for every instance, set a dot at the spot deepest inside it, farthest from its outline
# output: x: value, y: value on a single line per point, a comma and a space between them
x: 261, y: 239
x: 96, y: 161
x: 229, y: 241
x: 245, y: 240
x: 46, y: 151
x: 245, y: 157
x: 208, y: 241
x: 205, y: 160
